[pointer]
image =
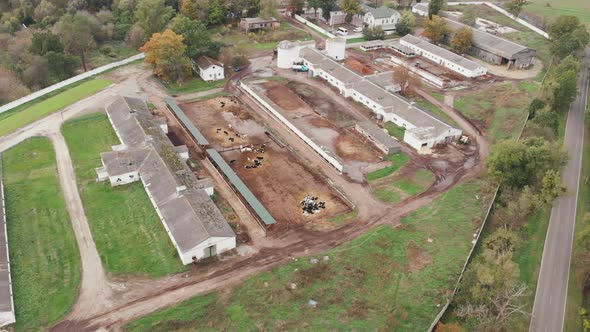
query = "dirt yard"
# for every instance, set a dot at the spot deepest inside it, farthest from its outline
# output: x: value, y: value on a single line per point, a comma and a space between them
x: 350, y: 148
x: 276, y: 176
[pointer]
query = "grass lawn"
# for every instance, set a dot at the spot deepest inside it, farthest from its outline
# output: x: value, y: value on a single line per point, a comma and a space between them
x: 196, y: 84
x: 51, y: 105
x: 129, y: 236
x: 397, y: 160
x: 396, y: 187
x: 44, y: 256
x: 579, y: 8
x: 395, y: 130
x: 388, y: 279
x: 500, y: 108
x: 428, y: 106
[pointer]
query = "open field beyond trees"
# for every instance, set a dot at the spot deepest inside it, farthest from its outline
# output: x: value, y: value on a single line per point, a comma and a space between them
x: 44, y: 257
x: 35, y: 112
x: 386, y: 279
x: 554, y: 8
x: 129, y: 236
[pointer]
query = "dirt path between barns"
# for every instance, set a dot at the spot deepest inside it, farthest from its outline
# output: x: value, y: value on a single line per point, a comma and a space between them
x: 281, y: 248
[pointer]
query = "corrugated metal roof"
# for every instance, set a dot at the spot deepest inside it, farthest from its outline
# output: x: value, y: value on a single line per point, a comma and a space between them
x: 381, y: 12
x: 491, y: 43
x: 262, y: 212
x: 186, y: 122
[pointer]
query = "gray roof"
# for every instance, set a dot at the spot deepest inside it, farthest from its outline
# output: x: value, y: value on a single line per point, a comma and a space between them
x: 235, y: 180
x: 335, y: 69
x: 390, y: 102
x: 423, y: 6
x: 205, y: 62
x: 379, y: 134
x: 441, y: 52
x: 381, y: 12
x: 384, y: 80
x: 6, y: 304
x: 254, y: 20
x: 123, y: 161
x: 188, y: 124
x: 491, y: 43
x: 189, y: 214
x: 127, y: 128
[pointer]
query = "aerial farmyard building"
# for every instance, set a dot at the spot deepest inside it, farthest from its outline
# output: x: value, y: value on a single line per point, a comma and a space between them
x: 193, y: 222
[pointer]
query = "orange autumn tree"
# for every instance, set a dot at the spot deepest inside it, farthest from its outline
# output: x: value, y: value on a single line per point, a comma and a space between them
x: 165, y: 53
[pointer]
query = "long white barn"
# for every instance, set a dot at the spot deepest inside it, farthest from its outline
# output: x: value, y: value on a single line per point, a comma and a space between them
x: 193, y: 222
x: 443, y: 57
x: 423, y: 129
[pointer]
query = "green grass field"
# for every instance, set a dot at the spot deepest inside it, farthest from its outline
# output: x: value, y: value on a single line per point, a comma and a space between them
x: 426, y: 105
x: 397, y: 187
x: 500, y: 108
x: 388, y: 279
x: 129, y: 236
x: 194, y: 85
x: 579, y: 8
x: 51, y: 105
x: 397, y: 160
x: 395, y: 130
x: 44, y: 256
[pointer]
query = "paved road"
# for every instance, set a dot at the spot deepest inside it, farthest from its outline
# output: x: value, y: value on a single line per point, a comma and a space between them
x: 550, y: 300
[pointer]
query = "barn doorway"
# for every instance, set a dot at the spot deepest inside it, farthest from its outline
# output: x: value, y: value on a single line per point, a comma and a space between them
x: 211, y: 251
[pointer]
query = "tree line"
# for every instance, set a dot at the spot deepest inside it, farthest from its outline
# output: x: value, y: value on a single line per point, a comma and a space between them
x: 45, y: 41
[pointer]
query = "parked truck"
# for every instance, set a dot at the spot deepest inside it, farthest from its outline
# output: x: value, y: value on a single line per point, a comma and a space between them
x: 300, y: 68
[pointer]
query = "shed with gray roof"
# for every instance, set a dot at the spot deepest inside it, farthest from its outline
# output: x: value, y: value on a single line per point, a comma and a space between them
x: 495, y: 49
x: 193, y: 222
x: 443, y: 57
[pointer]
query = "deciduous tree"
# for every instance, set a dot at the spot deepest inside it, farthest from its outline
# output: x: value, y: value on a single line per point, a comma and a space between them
x: 11, y: 87
x: 268, y: 8
x: 166, y: 53
x: 514, y: 7
x: 462, y: 40
x: 43, y: 42
x: 351, y: 8
x: 327, y: 6
x: 196, y: 37
x: 405, y: 78
x: 217, y: 12
x: 75, y: 32
x: 406, y: 23
x: 152, y: 15
x: 435, y: 29
x: 567, y: 36
x: 434, y: 6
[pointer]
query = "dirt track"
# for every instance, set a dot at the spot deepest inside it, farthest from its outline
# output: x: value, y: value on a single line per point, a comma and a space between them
x: 136, y: 298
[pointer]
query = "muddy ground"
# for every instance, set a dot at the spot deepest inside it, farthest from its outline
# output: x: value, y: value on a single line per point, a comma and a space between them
x: 350, y: 148
x: 276, y: 176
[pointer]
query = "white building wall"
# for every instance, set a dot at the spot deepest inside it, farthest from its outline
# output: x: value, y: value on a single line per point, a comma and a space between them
x: 222, y: 244
x: 330, y: 159
x: 444, y: 62
x: 335, y: 48
x: 213, y: 73
x: 122, y: 179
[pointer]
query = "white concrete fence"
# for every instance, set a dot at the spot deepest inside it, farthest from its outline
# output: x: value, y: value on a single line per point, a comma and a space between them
x: 57, y: 86
x: 330, y: 159
x: 314, y: 26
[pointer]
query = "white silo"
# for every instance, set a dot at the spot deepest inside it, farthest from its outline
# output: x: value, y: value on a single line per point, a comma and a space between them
x: 336, y: 47
x: 287, y: 54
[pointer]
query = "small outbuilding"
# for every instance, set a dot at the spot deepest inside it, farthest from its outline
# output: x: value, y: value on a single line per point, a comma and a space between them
x: 209, y: 69
x: 259, y: 23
